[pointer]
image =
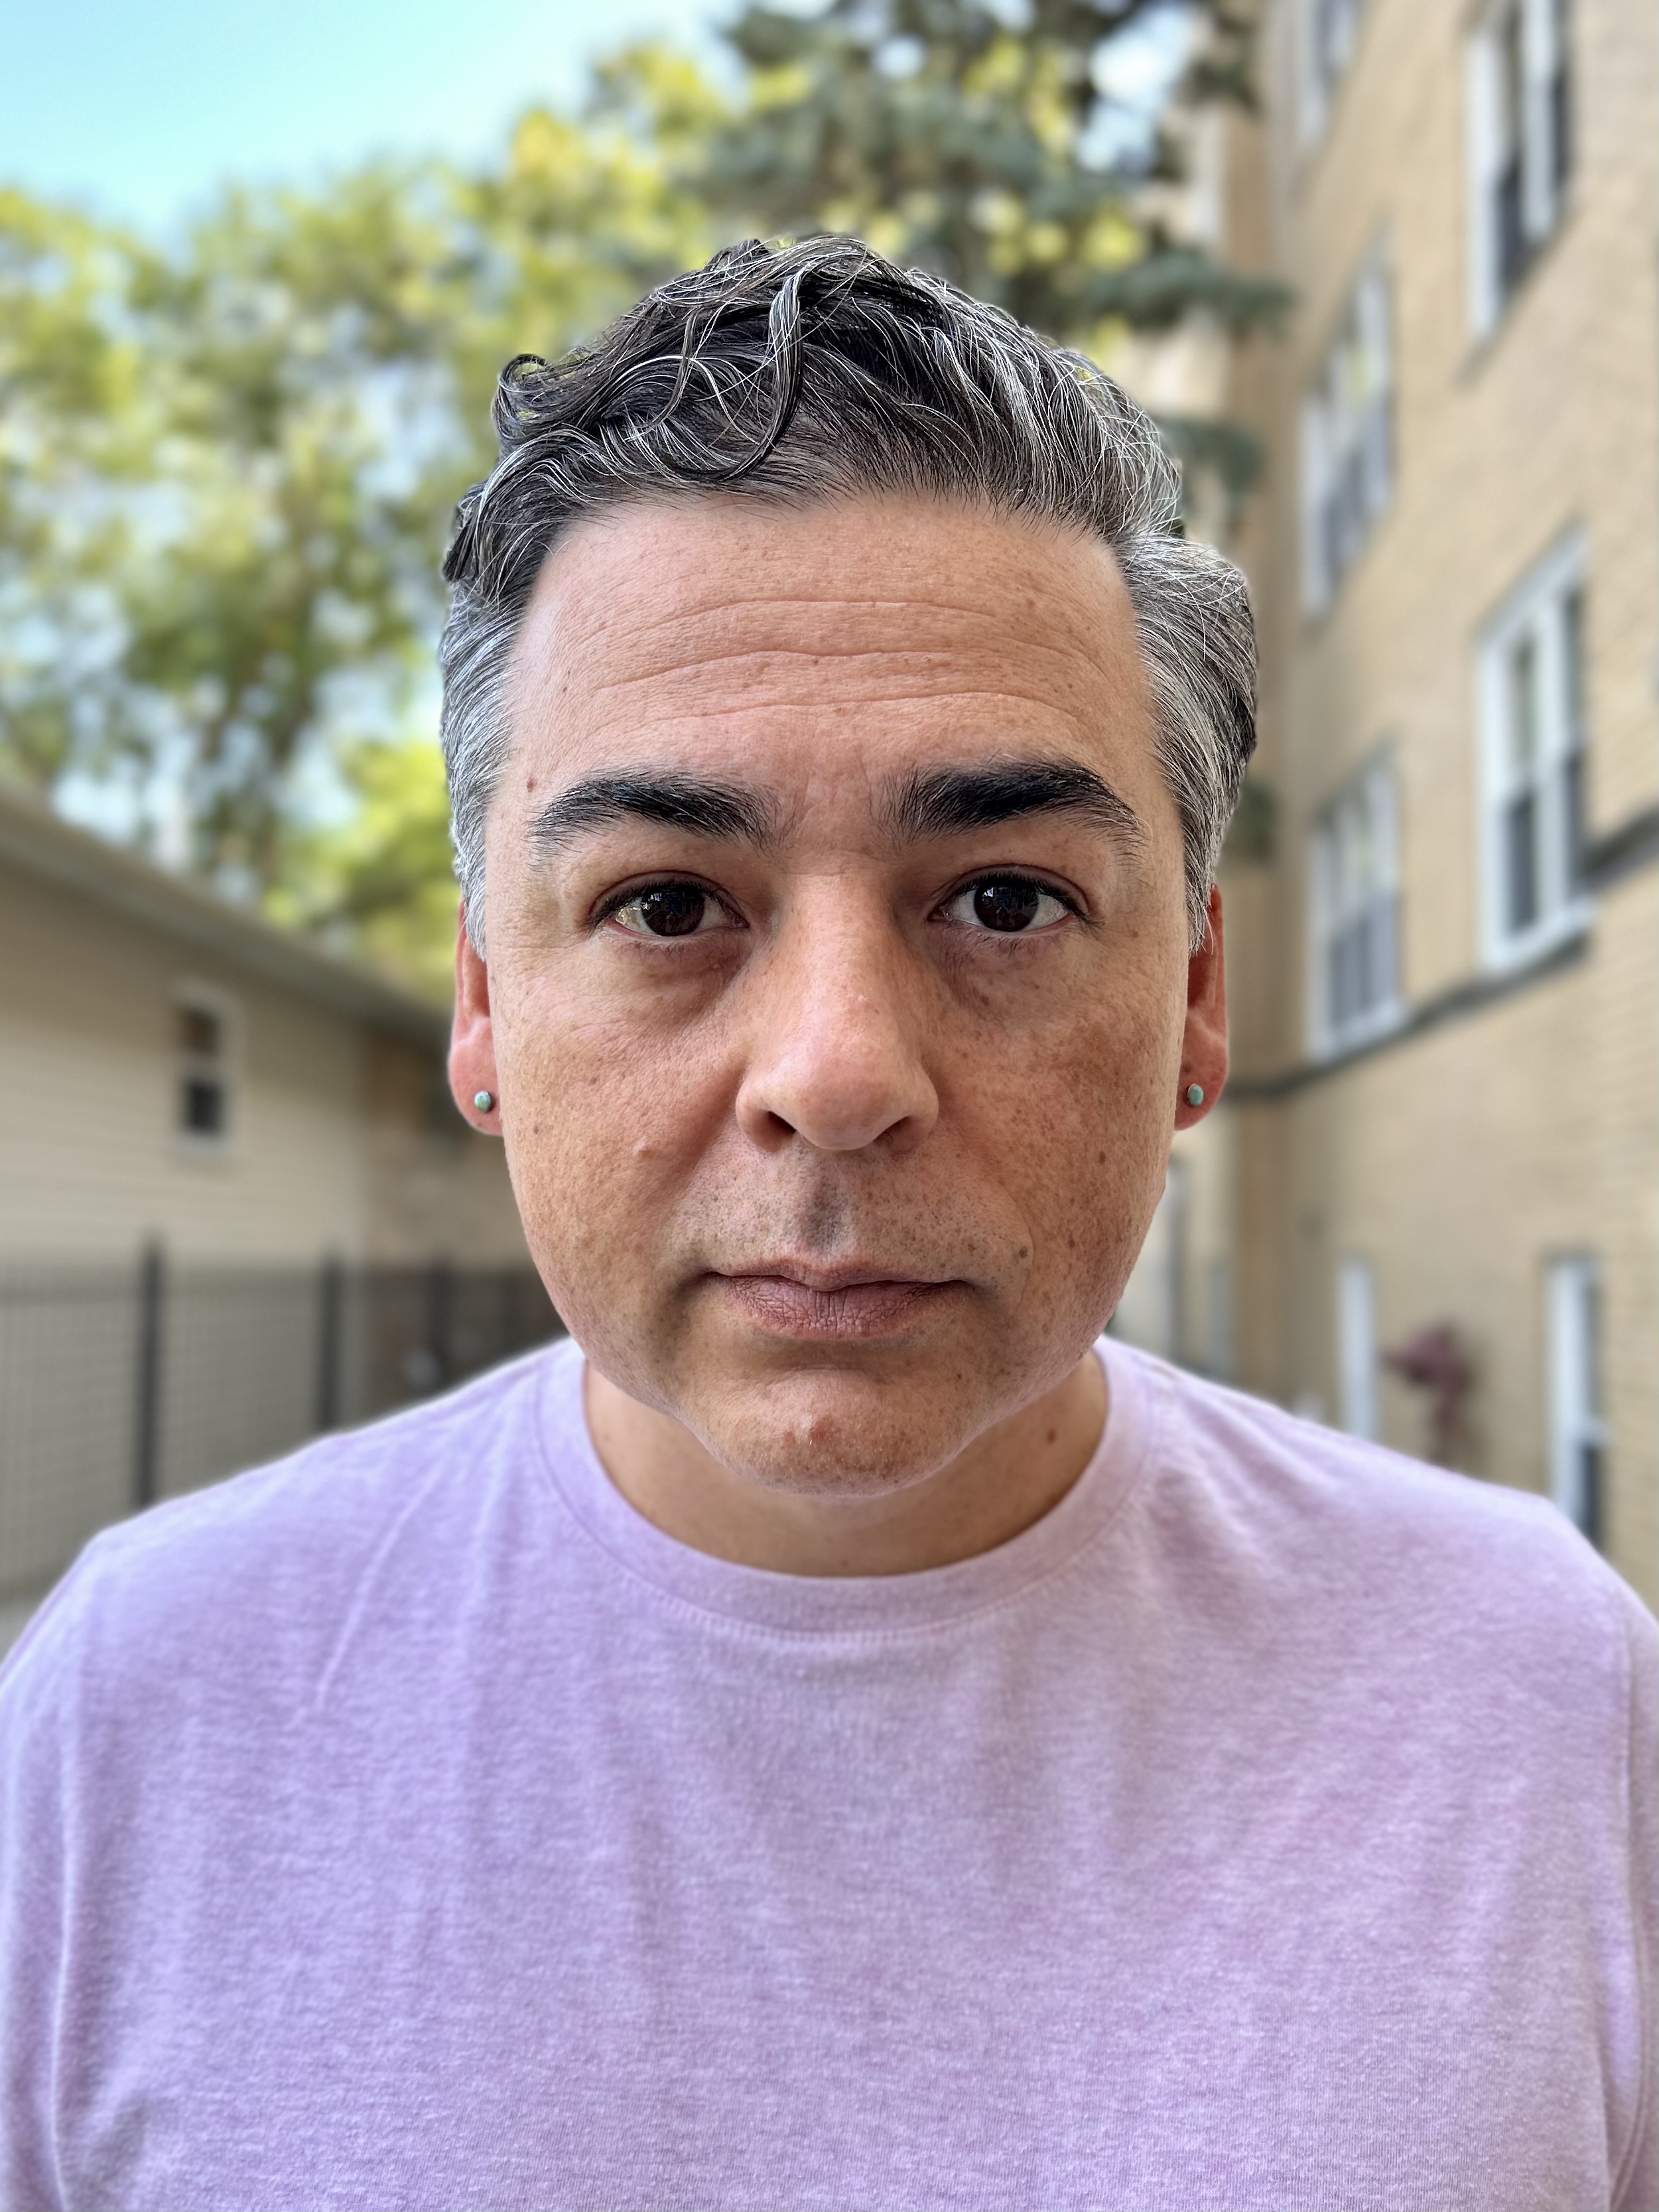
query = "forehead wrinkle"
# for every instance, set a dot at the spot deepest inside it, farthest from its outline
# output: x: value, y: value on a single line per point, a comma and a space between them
x: 647, y: 620
x: 911, y: 661
x: 817, y: 706
x: 615, y: 633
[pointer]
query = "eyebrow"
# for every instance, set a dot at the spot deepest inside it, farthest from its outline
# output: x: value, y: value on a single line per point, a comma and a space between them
x: 694, y: 803
x: 943, y: 802
x: 948, y: 802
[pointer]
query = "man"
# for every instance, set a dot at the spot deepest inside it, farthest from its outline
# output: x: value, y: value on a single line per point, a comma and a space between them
x: 836, y: 1734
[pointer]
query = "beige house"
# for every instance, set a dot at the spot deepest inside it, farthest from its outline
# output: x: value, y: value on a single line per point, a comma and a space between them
x: 1430, y: 1205
x: 237, y: 1204
x: 175, y: 1070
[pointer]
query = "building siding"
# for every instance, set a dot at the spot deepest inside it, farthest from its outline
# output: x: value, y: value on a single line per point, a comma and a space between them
x: 1458, y: 1158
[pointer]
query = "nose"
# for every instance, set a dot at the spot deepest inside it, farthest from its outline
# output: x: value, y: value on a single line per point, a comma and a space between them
x: 836, y: 1057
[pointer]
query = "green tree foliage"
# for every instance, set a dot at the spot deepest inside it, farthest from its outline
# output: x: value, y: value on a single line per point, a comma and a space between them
x: 972, y: 138
x: 226, y: 470
x: 226, y: 464
x: 975, y: 138
x: 379, y: 884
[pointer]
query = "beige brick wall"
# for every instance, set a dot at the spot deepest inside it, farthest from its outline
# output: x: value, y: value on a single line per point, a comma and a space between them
x: 1460, y: 1160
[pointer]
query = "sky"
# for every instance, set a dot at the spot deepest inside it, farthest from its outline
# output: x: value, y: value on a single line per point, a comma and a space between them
x: 137, y: 109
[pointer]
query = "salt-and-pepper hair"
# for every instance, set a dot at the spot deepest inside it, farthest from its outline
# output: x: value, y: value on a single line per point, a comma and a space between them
x: 820, y: 372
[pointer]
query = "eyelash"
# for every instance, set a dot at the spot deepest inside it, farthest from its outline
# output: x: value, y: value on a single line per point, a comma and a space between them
x: 613, y: 903
x: 1020, y: 876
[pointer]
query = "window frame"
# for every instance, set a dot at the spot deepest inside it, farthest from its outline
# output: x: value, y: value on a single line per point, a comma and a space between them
x: 1347, y: 446
x: 1539, y: 147
x: 1534, y: 611
x: 189, y: 996
x: 1577, y: 1419
x: 1322, y: 62
x: 1359, y: 1357
x: 1375, y: 786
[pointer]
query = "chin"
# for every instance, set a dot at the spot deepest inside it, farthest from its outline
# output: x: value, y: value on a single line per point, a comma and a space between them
x: 839, y: 1433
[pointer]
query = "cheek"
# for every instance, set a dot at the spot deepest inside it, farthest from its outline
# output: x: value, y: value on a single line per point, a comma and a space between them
x: 1099, y: 1113
x: 598, y: 1126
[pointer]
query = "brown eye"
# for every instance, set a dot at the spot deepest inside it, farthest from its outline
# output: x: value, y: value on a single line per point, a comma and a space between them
x: 669, y: 910
x: 1007, y: 904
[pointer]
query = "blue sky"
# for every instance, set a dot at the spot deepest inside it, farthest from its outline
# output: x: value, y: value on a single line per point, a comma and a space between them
x: 138, y: 108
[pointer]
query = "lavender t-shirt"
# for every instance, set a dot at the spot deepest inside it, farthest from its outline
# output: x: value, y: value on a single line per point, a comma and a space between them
x: 412, y: 1825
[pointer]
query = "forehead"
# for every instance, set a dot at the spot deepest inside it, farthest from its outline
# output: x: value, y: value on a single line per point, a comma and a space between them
x: 774, y: 637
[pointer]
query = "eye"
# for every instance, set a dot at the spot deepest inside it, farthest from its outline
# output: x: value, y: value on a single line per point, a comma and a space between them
x: 669, y: 910
x: 1007, y: 904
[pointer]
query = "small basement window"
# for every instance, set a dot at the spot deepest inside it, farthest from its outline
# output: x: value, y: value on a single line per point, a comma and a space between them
x: 203, y: 1032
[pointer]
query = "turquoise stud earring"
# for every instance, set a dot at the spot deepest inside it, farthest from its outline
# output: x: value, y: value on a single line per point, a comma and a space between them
x: 484, y: 1100
x: 1194, y: 1094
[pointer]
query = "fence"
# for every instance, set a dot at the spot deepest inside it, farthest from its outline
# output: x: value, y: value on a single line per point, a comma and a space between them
x: 121, y: 1386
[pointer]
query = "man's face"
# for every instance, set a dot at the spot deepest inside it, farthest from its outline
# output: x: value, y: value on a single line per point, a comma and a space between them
x: 838, y: 993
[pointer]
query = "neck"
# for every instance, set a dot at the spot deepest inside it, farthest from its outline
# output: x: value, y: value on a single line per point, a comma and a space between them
x: 1005, y: 1480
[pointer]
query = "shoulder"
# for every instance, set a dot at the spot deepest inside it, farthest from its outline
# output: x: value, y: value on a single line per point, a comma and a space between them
x: 273, y: 1560
x: 1335, y: 1528
x: 1453, y: 1647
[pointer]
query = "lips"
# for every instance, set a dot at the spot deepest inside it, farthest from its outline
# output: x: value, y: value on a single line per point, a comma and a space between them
x: 833, y: 1305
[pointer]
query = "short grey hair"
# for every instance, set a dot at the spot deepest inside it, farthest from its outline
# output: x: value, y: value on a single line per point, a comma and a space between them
x: 817, y: 372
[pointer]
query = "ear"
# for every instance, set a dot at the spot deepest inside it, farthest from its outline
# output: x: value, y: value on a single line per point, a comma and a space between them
x: 1204, y: 1043
x: 473, y: 1039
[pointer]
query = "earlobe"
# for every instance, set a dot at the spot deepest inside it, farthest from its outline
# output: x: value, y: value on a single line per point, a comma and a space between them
x: 1204, y: 1040
x: 472, y: 1077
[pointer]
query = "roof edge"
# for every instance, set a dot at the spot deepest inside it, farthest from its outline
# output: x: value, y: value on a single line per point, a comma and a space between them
x: 39, y: 843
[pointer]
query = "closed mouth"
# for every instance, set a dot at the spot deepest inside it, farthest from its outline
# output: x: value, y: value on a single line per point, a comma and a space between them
x: 836, y: 1303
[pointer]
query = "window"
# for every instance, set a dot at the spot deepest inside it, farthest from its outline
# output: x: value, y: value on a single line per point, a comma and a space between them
x: 1348, y: 435
x: 1577, y: 1431
x: 1533, y: 754
x: 203, y: 1023
x: 1356, y: 1348
x: 1353, y: 914
x: 1520, y: 144
x: 1328, y: 29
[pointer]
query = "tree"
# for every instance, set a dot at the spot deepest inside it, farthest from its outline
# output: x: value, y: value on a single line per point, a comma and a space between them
x: 378, y: 883
x: 227, y: 464
x: 951, y: 136
x: 977, y: 141
x: 233, y: 463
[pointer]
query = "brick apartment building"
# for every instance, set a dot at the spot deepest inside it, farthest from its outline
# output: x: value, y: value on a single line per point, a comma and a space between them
x: 1430, y: 1210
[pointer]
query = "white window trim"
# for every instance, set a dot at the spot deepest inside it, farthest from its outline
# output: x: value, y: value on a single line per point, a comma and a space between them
x: 1312, y: 107
x: 1542, y: 206
x: 1566, y: 914
x: 1572, y: 1285
x: 1356, y: 1360
x: 190, y: 994
x: 1317, y: 584
x: 1324, y: 1039
x: 1481, y: 125
x: 1315, y: 95
x: 1367, y: 304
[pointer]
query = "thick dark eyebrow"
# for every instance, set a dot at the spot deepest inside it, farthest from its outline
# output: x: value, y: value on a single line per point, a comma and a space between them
x: 948, y: 802
x: 693, y: 802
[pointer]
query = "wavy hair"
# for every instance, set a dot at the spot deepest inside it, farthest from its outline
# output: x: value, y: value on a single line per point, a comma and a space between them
x: 821, y: 371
